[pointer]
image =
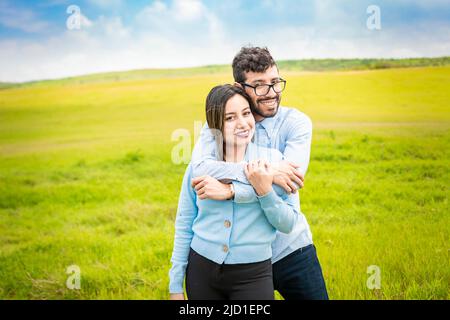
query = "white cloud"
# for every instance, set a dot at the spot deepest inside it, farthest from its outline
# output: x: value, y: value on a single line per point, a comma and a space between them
x: 308, y: 42
x: 85, y: 22
x: 189, y: 10
x: 156, y: 7
x: 181, y: 16
x: 108, y: 45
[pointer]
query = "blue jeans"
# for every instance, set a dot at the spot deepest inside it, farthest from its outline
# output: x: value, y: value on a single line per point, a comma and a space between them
x: 298, y: 276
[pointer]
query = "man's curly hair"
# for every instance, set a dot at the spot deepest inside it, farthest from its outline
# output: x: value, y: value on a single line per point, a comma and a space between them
x: 255, y: 59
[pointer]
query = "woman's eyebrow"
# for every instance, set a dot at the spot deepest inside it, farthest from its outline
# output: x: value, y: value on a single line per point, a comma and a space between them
x: 228, y: 113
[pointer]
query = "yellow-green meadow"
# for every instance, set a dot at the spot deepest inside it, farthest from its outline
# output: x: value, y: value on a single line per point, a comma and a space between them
x: 87, y: 179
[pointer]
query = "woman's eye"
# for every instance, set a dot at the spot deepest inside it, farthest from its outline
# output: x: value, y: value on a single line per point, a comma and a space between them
x: 229, y: 118
x: 247, y: 113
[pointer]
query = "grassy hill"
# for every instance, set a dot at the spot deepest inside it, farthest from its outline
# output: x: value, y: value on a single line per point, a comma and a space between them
x: 87, y: 179
x: 360, y: 64
x: 284, y: 65
x: 4, y: 85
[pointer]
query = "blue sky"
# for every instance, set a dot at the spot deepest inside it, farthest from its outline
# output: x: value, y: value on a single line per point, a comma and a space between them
x: 35, y: 42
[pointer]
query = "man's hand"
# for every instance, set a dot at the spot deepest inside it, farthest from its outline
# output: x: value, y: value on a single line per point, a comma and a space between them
x: 209, y: 188
x: 260, y: 175
x: 176, y: 296
x: 287, y: 176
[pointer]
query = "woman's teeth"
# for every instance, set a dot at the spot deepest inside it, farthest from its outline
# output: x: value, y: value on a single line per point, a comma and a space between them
x: 243, y: 134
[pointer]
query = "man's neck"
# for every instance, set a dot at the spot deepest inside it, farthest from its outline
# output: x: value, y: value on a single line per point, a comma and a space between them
x: 258, y: 118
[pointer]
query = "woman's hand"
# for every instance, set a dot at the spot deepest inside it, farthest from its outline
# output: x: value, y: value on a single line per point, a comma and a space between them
x: 177, y: 296
x: 260, y: 174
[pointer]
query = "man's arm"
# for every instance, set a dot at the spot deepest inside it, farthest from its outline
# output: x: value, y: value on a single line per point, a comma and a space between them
x: 208, y: 187
x: 204, y: 161
x: 186, y: 213
x: 298, y: 140
x: 297, y: 151
x: 297, y: 134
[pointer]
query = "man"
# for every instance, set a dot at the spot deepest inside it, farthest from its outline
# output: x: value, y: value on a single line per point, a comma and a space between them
x: 297, y: 272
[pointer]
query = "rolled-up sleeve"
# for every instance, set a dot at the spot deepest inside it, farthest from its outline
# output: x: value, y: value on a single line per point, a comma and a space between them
x: 298, y: 139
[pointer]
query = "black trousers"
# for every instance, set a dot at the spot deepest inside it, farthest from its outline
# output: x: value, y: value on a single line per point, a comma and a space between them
x: 207, y: 280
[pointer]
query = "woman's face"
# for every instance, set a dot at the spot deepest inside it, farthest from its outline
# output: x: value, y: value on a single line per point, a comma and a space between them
x: 239, y: 123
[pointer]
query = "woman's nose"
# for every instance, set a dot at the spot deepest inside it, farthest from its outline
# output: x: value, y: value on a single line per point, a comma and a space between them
x: 241, y: 123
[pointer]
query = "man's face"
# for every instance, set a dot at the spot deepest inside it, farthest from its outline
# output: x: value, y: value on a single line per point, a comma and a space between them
x: 265, y: 106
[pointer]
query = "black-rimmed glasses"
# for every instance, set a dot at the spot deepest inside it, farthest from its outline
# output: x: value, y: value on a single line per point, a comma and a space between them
x: 263, y: 89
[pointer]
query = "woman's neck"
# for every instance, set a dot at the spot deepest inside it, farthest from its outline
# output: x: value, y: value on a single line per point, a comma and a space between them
x: 234, y: 153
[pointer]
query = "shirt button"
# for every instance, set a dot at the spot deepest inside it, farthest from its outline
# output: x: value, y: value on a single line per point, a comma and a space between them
x: 227, y: 223
x: 225, y: 248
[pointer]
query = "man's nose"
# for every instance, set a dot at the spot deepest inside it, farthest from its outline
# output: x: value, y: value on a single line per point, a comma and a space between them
x: 271, y: 93
x: 273, y: 90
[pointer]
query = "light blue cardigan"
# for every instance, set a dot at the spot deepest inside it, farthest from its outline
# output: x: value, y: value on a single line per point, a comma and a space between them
x: 228, y: 232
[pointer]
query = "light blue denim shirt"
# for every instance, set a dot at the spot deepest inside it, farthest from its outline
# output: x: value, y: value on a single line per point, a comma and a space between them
x: 229, y: 232
x: 290, y: 132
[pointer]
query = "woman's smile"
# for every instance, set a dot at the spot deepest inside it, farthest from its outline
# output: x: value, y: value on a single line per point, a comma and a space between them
x: 243, y: 134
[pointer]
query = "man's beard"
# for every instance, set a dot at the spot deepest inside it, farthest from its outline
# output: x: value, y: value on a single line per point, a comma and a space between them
x: 258, y: 111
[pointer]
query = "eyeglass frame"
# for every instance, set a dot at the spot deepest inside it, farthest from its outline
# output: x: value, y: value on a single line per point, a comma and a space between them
x: 271, y: 86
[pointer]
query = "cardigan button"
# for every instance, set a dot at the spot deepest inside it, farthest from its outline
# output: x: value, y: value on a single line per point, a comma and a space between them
x: 227, y: 223
x: 225, y: 248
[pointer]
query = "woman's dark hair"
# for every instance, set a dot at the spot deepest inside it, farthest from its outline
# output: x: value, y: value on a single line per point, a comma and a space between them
x: 215, y: 110
x: 253, y: 59
x: 216, y: 102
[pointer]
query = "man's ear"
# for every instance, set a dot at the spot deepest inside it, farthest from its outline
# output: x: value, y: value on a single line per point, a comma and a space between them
x: 237, y: 84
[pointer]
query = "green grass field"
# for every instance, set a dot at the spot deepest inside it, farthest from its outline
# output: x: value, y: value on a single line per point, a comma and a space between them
x: 86, y: 179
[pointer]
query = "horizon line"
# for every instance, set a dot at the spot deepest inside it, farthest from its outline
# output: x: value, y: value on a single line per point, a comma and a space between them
x: 212, y: 65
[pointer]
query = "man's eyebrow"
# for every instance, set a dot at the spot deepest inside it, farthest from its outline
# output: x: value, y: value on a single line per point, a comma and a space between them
x: 262, y: 81
x: 257, y: 80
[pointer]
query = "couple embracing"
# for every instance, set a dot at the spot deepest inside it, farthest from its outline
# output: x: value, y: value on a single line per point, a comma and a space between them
x: 239, y: 231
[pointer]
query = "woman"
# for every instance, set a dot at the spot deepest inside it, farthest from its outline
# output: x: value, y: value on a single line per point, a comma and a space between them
x: 224, y: 248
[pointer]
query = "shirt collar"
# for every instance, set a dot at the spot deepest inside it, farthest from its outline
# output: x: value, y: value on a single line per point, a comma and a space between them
x: 269, y: 123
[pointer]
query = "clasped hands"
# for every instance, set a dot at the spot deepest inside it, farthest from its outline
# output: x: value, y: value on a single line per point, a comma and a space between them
x: 261, y: 175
